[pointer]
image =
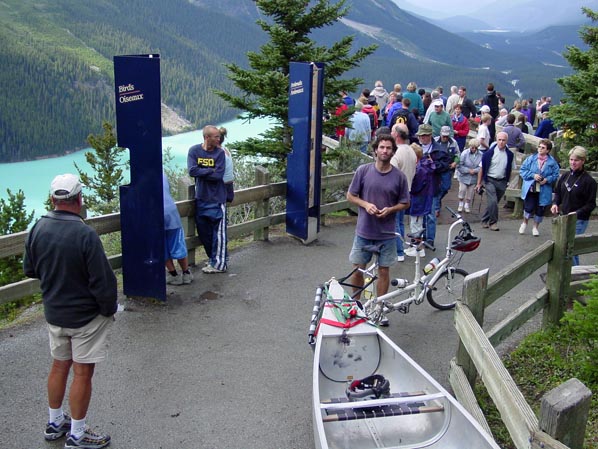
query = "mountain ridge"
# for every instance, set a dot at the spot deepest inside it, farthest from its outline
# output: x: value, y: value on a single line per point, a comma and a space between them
x: 60, y: 53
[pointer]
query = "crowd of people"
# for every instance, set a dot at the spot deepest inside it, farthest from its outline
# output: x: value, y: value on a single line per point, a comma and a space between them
x: 420, y: 144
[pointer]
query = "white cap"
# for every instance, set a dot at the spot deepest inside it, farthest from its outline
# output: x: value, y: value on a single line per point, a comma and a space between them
x: 485, y: 108
x: 65, y: 186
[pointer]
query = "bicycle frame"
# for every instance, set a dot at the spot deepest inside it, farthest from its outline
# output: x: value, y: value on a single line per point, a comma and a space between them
x: 377, y: 307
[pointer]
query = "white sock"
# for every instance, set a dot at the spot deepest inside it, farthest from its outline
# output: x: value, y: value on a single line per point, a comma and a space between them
x: 460, y: 203
x: 77, y: 427
x: 56, y: 415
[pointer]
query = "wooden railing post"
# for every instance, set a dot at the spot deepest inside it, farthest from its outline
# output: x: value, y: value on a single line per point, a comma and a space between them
x: 262, y: 207
x: 474, y: 292
x: 558, y: 273
x: 323, y: 194
x: 187, y: 191
x: 564, y: 413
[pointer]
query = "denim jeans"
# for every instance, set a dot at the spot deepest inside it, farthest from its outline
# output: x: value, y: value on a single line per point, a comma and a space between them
x: 400, y: 228
x: 446, y: 181
x: 430, y: 223
x: 580, y: 228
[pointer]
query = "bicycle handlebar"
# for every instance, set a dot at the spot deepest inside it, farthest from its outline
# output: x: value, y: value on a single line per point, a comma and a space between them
x: 458, y: 216
x: 453, y: 213
x: 427, y: 245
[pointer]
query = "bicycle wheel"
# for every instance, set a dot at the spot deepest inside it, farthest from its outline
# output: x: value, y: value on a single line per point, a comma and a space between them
x: 447, y: 290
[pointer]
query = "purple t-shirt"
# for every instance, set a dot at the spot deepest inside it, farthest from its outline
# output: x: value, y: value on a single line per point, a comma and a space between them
x: 383, y: 190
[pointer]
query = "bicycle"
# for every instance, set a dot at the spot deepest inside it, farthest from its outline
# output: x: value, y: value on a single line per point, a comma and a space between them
x: 441, y: 284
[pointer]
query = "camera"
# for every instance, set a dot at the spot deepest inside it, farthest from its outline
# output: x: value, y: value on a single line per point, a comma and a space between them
x: 481, y: 190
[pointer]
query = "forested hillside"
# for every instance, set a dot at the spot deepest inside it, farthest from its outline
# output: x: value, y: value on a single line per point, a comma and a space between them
x: 57, y: 76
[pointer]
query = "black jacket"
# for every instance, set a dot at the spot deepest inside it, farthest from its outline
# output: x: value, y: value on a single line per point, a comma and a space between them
x: 576, y: 192
x: 76, y: 280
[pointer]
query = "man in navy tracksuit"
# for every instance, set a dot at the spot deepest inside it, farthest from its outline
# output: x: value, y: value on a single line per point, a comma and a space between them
x: 206, y: 163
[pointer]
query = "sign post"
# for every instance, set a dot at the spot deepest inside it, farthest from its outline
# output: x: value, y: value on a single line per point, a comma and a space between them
x: 304, y: 162
x: 139, y: 128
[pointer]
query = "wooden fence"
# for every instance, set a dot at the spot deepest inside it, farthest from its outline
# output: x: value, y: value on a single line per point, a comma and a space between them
x: 260, y: 196
x: 476, y: 355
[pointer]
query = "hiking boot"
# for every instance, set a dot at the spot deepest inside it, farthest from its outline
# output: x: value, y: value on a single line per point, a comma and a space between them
x: 174, y: 280
x: 187, y: 278
x: 210, y: 270
x: 58, y: 430
x: 89, y: 440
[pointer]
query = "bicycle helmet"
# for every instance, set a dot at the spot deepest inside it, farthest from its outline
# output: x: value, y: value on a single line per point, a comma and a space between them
x: 465, y: 241
x: 371, y: 387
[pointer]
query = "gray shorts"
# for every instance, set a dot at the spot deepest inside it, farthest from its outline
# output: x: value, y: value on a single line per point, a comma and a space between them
x: 388, y: 251
x: 87, y: 344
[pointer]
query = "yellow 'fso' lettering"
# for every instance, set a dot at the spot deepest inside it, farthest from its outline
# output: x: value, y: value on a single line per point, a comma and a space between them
x: 205, y: 162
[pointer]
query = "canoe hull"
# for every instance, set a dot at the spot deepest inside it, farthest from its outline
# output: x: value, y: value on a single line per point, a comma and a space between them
x: 432, y: 418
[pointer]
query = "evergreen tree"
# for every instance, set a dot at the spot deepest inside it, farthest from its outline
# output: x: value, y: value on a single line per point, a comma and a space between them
x: 13, y: 218
x: 578, y: 114
x: 265, y: 85
x: 106, y: 163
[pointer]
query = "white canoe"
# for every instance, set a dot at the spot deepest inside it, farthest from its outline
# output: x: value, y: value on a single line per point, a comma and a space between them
x: 418, y: 413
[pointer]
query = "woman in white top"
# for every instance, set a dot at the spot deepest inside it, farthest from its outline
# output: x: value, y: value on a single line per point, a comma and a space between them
x: 483, y: 132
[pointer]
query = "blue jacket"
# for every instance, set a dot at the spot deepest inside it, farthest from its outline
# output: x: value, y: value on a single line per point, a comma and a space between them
x: 487, y: 158
x: 545, y: 128
x: 550, y: 172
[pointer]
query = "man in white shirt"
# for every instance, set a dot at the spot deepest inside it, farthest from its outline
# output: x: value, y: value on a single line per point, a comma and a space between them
x: 405, y: 160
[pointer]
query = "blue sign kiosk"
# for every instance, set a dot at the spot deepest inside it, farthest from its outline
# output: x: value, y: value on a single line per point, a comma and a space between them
x: 139, y: 128
x: 305, y: 161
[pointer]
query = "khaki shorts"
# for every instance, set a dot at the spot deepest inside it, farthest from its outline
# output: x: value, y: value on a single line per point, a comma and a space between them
x: 87, y: 344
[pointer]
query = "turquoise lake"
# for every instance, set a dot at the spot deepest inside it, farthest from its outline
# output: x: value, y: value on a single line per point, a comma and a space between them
x: 34, y: 177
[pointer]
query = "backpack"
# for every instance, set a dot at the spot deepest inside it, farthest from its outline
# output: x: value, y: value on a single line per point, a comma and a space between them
x: 401, y: 116
x: 373, y: 115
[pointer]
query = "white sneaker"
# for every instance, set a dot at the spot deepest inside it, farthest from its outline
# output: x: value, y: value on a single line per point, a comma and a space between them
x: 460, y: 208
x: 467, y: 208
x: 400, y: 258
x: 187, y: 278
x: 522, y: 228
x: 174, y: 280
x: 211, y: 270
x: 535, y: 232
x: 411, y: 251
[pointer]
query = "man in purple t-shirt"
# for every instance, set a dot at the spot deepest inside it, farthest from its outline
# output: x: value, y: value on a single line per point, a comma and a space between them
x: 380, y: 190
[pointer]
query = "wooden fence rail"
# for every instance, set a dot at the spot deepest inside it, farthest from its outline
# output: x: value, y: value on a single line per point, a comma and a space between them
x: 476, y: 356
x: 260, y: 196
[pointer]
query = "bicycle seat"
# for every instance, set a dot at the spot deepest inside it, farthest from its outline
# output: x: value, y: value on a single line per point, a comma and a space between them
x: 374, y: 249
x: 417, y: 235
